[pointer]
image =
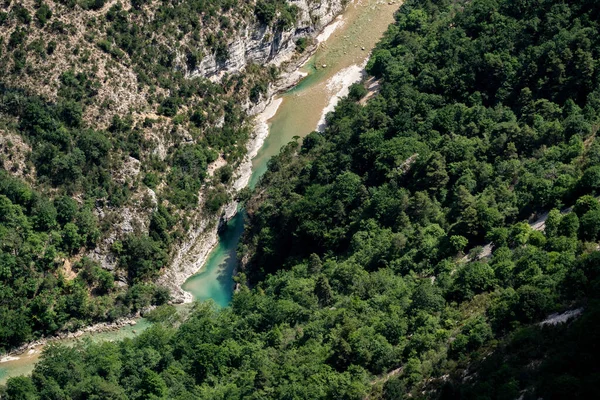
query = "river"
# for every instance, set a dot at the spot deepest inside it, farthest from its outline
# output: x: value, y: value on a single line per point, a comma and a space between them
x: 23, y: 364
x: 338, y: 62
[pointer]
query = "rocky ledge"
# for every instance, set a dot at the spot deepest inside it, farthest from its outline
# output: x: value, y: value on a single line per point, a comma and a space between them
x: 192, y: 253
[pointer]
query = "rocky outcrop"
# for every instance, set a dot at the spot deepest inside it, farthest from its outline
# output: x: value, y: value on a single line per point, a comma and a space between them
x: 13, y: 151
x: 250, y: 47
x: 263, y: 44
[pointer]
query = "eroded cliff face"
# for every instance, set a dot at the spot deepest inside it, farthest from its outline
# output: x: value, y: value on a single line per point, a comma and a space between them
x: 129, y: 60
x: 261, y: 44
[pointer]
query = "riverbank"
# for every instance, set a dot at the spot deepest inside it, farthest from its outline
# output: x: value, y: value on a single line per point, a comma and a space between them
x: 340, y: 84
x: 338, y: 63
x: 295, y: 110
x: 96, y: 328
x: 201, y: 241
x: 21, y: 360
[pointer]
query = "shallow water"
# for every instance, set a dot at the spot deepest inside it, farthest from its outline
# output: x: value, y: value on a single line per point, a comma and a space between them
x: 24, y: 363
x: 215, y: 280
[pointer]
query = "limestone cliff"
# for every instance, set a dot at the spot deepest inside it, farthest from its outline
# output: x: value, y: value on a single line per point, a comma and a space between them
x: 152, y: 80
x: 256, y: 45
x: 261, y: 44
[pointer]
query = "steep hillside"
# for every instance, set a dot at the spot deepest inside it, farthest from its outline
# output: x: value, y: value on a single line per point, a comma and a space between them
x: 364, y: 276
x: 122, y: 127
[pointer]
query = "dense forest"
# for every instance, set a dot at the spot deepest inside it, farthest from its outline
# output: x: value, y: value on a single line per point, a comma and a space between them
x: 412, y: 249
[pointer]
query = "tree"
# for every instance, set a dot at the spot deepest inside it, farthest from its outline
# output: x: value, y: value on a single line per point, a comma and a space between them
x: 71, y: 238
x: 427, y: 297
x: 265, y: 11
x: 394, y: 389
x: 95, y: 145
x: 584, y: 204
x: 314, y: 264
x: 533, y: 303
x: 519, y: 234
x: 20, y: 388
x: 589, y: 229
x: 71, y: 113
x: 152, y: 385
x: 323, y: 291
x: 357, y: 91
x: 552, y: 223
x: 66, y: 208
x: 590, y: 181
x: 458, y: 243
x: 44, y: 215
x: 474, y: 278
x: 569, y: 225
x: 43, y: 14
x: 142, y: 257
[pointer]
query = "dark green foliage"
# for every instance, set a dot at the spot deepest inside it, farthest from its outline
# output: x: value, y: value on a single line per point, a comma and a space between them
x: 91, y: 4
x: 142, y: 257
x: 188, y: 173
x: 265, y: 11
x: 35, y: 298
x: 216, y: 198
x: 66, y: 208
x: 301, y: 44
x: 17, y: 38
x: 257, y: 91
x: 474, y: 278
x: 22, y: 14
x: 51, y: 47
x: 357, y: 92
x: 566, y: 368
x: 36, y: 235
x: 161, y: 222
x: 168, y: 107
x: 454, y: 151
x: 224, y: 174
x: 21, y: 388
x: 356, y: 238
x: 43, y: 14
x: 276, y: 12
x: 590, y: 226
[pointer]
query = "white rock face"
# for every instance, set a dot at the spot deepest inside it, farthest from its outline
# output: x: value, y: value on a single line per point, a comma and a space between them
x: 259, y: 45
x: 557, y: 318
x: 262, y: 45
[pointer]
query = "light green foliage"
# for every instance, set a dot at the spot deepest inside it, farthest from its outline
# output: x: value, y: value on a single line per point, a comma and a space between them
x: 483, y: 119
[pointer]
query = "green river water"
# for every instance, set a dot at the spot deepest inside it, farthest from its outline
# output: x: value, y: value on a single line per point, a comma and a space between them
x: 299, y: 113
x: 25, y: 362
x: 361, y: 26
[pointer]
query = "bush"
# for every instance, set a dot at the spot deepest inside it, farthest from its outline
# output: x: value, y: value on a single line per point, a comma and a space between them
x: 215, y: 199
x: 301, y: 44
x: 142, y: 257
x: 265, y: 11
x: 168, y: 107
x: 43, y: 14
x: 357, y: 92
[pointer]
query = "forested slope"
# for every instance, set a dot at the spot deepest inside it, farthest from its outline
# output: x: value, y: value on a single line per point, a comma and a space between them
x: 358, y: 286
x: 108, y: 126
